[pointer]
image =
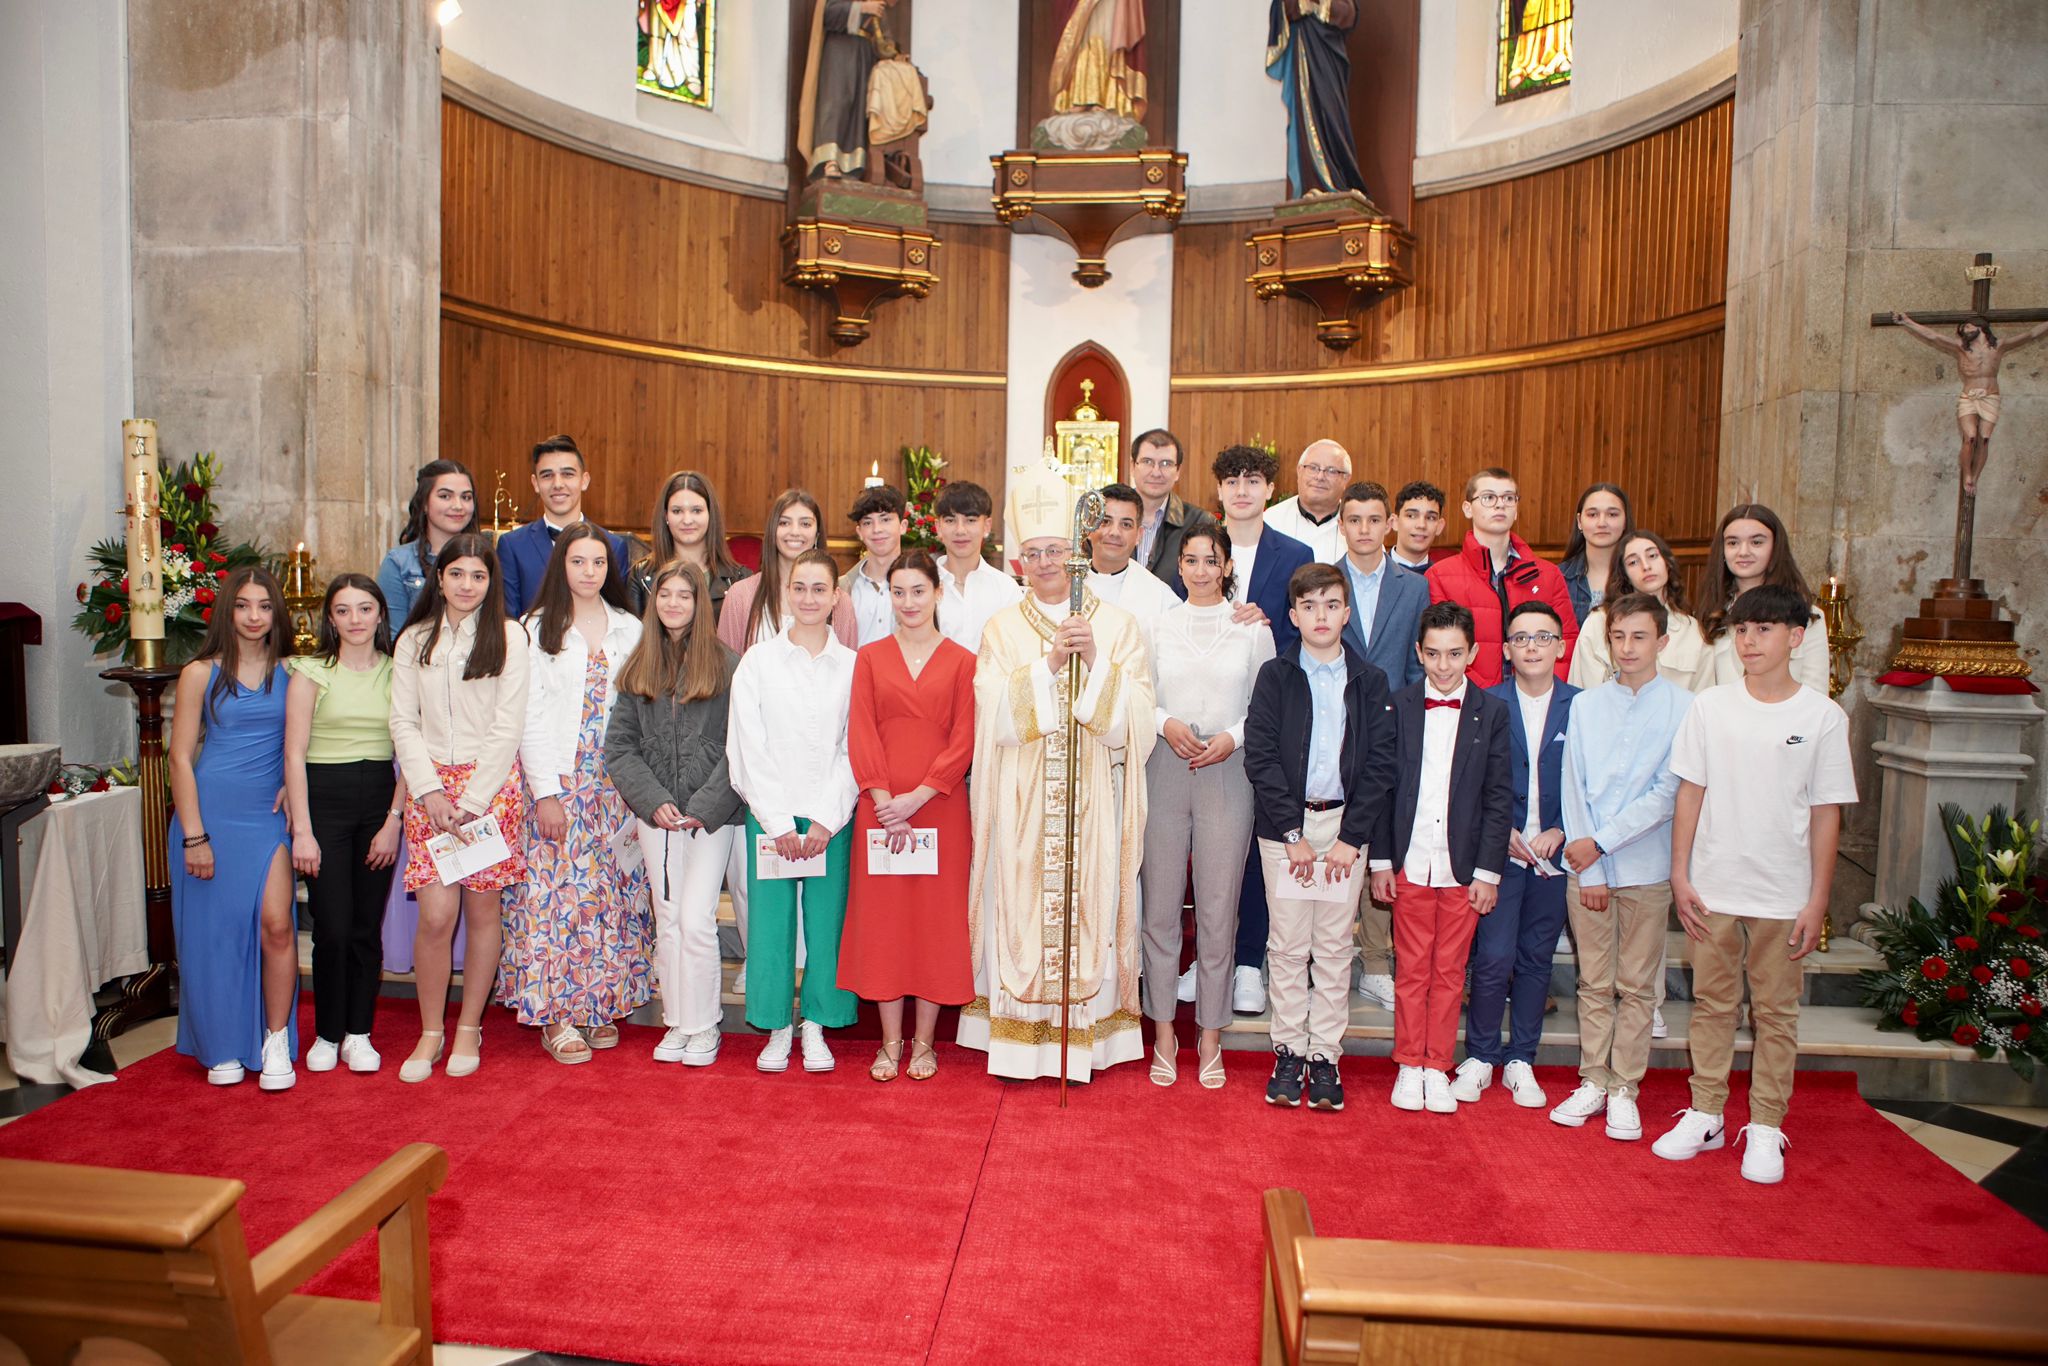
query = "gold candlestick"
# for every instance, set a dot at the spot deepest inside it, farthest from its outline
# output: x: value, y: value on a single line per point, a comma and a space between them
x: 142, y: 485
x: 302, y: 597
x: 1843, y: 633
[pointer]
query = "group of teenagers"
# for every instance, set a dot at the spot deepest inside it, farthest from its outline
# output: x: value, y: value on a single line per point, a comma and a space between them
x: 1364, y: 751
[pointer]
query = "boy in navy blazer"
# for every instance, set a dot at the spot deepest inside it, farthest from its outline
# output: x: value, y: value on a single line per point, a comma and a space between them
x: 1512, y: 949
x: 1441, y: 848
x: 1264, y: 560
x: 561, y: 478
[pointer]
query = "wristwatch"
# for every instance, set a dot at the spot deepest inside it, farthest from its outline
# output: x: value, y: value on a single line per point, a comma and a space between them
x: 1291, y: 837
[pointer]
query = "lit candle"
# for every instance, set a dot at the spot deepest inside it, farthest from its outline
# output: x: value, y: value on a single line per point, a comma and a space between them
x: 141, y: 490
x: 874, y: 479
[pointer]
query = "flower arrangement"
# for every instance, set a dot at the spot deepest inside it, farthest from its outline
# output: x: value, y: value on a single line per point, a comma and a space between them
x: 921, y: 484
x: 74, y: 779
x: 1971, y: 971
x: 196, y: 558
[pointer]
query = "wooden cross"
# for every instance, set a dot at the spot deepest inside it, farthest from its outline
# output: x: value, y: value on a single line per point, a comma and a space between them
x: 1981, y: 273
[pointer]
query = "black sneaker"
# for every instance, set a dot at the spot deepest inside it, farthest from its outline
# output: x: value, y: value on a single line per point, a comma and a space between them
x: 1325, y: 1087
x: 1285, y: 1087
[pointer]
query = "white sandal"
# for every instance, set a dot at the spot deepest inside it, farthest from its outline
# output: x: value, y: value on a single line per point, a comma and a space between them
x: 1211, y: 1075
x: 1165, y: 1066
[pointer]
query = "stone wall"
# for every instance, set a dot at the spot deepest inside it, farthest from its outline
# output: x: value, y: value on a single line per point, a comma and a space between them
x: 1880, y: 144
x: 287, y: 256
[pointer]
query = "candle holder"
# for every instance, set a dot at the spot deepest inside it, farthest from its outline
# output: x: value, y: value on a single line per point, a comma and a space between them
x: 303, y: 594
x: 1843, y: 633
x: 504, y: 509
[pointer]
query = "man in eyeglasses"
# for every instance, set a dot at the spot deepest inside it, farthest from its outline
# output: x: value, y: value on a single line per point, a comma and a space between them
x: 1164, y: 518
x: 1497, y: 572
x: 1310, y: 516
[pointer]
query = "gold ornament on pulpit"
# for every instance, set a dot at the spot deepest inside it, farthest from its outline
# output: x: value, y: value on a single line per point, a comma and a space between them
x: 303, y: 594
x: 1083, y: 448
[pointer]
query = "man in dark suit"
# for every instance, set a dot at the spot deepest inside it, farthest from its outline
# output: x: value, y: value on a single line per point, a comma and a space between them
x: 1165, y: 517
x: 1512, y: 949
x: 1441, y: 848
x: 561, y: 478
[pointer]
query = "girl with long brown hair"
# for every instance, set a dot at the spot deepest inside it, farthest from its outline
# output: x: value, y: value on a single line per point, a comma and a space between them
x: 1750, y: 548
x: 458, y: 713
x: 443, y: 505
x: 665, y: 749
x: 688, y: 525
x: 231, y: 876
x: 1648, y: 566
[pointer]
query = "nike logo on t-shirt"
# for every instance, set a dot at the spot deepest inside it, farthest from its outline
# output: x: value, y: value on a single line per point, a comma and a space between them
x: 1795, y: 739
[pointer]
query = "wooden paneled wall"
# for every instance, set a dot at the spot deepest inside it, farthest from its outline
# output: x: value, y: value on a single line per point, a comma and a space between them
x: 1607, y: 275
x: 568, y: 280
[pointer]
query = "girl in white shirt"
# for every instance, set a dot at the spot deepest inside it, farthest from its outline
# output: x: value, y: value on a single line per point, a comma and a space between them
x: 1647, y: 567
x: 1198, y: 798
x: 1750, y: 548
x: 579, y: 931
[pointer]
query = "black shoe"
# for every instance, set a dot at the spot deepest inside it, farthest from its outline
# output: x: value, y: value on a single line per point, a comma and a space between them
x: 1325, y: 1087
x: 1285, y: 1087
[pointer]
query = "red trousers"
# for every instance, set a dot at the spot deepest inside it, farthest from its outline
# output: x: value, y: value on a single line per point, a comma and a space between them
x: 1433, y: 929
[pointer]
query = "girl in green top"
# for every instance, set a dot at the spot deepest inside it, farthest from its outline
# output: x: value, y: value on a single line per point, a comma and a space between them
x: 346, y: 803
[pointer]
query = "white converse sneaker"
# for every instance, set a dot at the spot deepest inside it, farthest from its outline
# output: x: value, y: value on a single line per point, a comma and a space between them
x: 1581, y: 1105
x: 1520, y: 1080
x: 1658, y: 1029
x: 1377, y: 988
x: 817, y: 1056
x: 1248, y: 992
x: 1436, y: 1092
x: 670, y: 1049
x: 1696, y: 1132
x: 1623, y: 1120
x: 224, y: 1074
x: 775, y: 1053
x: 1184, y: 986
x: 1472, y: 1077
x: 322, y: 1056
x: 277, y: 1062
x: 356, y: 1054
x: 701, y: 1049
x: 1763, y: 1153
x: 1408, y: 1089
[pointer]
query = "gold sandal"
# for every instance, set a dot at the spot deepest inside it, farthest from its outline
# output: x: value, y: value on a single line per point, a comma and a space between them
x: 924, y: 1061
x: 885, y: 1064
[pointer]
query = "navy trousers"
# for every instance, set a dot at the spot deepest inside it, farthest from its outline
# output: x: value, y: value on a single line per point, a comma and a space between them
x: 1511, y: 955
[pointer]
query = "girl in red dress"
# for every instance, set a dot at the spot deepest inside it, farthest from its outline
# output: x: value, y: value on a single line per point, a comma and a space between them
x: 911, y: 737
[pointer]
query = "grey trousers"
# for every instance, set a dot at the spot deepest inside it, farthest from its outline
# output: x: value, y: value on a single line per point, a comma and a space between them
x: 1207, y: 812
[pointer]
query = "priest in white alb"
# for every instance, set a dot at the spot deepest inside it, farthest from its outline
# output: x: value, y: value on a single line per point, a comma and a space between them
x: 1016, y: 909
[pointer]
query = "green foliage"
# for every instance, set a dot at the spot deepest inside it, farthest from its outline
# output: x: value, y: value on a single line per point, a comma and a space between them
x: 921, y: 484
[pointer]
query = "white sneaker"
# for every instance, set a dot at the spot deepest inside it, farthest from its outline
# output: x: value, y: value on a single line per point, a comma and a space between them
x: 1184, y: 986
x: 224, y: 1074
x: 356, y: 1054
x: 1436, y: 1092
x: 1658, y: 1029
x: 1248, y: 992
x: 1624, y: 1122
x: 1408, y: 1089
x: 277, y: 1062
x: 1581, y: 1105
x: 1763, y: 1153
x: 1378, y: 988
x: 775, y: 1053
x: 1472, y: 1077
x: 739, y: 981
x: 817, y: 1056
x: 1696, y: 1132
x: 1520, y: 1080
x: 672, y: 1044
x: 1564, y: 941
x: 322, y: 1056
x: 701, y: 1049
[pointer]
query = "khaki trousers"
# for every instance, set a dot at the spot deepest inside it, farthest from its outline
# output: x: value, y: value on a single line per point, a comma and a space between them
x: 1375, y: 938
x: 1739, y: 947
x: 1309, y: 1020
x: 1621, y: 961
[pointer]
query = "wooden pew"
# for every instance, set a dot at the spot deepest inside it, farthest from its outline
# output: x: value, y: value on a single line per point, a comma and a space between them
x: 1359, y: 1300
x: 93, y: 1259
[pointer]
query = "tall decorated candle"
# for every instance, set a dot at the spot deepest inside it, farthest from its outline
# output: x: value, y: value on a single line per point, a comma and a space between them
x: 142, y: 490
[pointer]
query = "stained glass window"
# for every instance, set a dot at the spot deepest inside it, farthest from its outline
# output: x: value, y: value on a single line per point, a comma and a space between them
x: 675, y: 49
x: 1535, y: 50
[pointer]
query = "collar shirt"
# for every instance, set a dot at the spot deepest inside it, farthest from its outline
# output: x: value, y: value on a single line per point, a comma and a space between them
x: 1325, y: 778
x: 1365, y: 594
x: 1149, y: 536
x: 965, y: 605
x: 873, y: 612
x: 1618, y: 788
x: 1138, y: 591
x: 1324, y: 538
x: 1420, y: 566
x: 786, y: 734
x: 1429, y: 846
x: 1535, y: 711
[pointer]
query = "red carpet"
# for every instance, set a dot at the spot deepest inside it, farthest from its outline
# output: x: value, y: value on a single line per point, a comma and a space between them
x: 665, y: 1214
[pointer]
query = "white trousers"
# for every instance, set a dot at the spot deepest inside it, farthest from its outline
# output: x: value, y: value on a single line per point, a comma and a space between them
x: 684, y: 870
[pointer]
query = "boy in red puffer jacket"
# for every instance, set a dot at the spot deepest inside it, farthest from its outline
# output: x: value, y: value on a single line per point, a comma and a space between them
x: 1495, y: 573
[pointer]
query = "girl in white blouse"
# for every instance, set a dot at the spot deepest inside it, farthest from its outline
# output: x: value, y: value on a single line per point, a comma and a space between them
x: 1647, y: 566
x: 1198, y: 799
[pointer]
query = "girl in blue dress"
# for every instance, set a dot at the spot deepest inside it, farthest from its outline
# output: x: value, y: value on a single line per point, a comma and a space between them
x: 231, y: 874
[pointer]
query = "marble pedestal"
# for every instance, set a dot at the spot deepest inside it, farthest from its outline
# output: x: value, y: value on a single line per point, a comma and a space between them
x: 1941, y: 746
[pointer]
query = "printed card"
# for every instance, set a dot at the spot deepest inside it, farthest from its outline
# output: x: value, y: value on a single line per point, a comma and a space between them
x: 476, y: 848
x: 921, y: 858
x: 770, y: 866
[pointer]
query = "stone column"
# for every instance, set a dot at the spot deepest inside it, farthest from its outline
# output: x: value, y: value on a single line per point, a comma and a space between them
x: 1879, y: 144
x: 287, y: 256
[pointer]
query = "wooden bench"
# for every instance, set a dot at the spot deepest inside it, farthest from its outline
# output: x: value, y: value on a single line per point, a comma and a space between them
x: 1359, y: 1300
x: 94, y: 1259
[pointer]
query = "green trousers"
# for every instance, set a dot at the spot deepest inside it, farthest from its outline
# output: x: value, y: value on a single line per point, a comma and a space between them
x: 771, y: 937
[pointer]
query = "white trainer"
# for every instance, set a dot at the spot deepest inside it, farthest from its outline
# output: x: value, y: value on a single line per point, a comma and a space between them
x: 701, y: 1049
x: 1408, y: 1089
x: 1436, y: 1092
x: 1696, y: 1132
x: 1581, y: 1105
x: 1378, y: 988
x: 1520, y: 1080
x: 775, y: 1054
x: 1763, y: 1153
x: 1248, y: 992
x: 670, y: 1049
x: 1658, y: 1029
x: 277, y: 1072
x: 739, y: 981
x: 224, y: 1074
x: 817, y: 1056
x: 1184, y: 986
x: 1472, y: 1077
x: 356, y: 1054
x: 322, y: 1056
x: 1624, y: 1122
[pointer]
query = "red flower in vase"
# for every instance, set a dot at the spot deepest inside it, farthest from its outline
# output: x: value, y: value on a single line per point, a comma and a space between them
x: 2000, y: 918
x: 115, y: 611
x: 124, y: 583
x: 2011, y: 899
x: 1958, y: 992
x: 1981, y: 973
x: 2030, y: 931
x: 1911, y: 1014
x: 206, y: 614
x: 202, y: 595
x: 2022, y: 1032
x: 208, y: 531
x: 216, y: 557
x: 177, y: 547
x: 221, y: 575
x: 100, y: 785
x: 1967, y: 1035
x: 1967, y: 943
x: 194, y: 492
x: 166, y: 527
x: 2021, y: 968
x: 2030, y: 1005
x: 1934, y: 969
x: 55, y: 787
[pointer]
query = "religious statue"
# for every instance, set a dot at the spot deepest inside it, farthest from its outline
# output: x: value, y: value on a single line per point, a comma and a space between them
x: 1978, y: 353
x: 864, y: 104
x: 1098, y: 77
x: 1305, y: 52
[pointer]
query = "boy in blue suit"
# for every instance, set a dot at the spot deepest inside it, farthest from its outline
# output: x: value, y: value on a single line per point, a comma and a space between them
x: 1512, y: 947
x: 561, y: 478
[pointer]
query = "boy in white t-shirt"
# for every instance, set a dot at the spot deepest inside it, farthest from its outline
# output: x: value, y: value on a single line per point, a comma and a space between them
x: 1763, y: 769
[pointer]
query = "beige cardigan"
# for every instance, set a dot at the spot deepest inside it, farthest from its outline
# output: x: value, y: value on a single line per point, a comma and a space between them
x: 439, y: 717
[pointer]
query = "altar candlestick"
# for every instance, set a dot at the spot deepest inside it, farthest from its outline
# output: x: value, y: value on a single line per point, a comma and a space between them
x: 142, y: 488
x: 874, y: 479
